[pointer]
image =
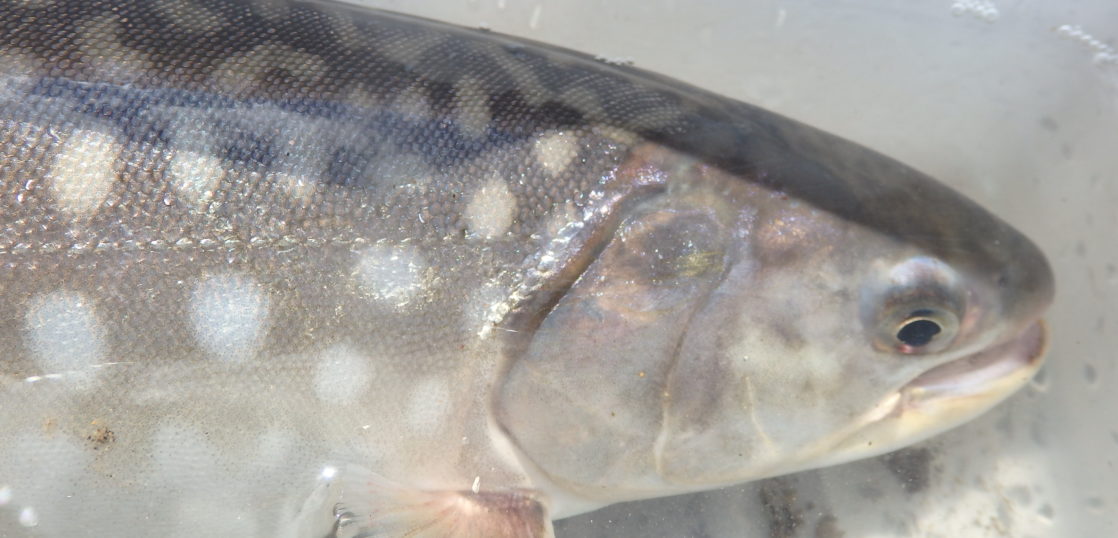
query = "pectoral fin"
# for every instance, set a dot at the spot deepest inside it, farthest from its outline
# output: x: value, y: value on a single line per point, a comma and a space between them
x: 371, y: 506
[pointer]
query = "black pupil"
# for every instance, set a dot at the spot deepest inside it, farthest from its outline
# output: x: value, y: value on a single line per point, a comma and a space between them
x: 918, y: 332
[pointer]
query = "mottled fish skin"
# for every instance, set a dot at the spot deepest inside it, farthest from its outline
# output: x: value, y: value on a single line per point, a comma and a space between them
x: 244, y: 244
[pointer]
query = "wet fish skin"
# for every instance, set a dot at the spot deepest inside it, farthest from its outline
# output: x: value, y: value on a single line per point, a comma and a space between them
x: 272, y: 268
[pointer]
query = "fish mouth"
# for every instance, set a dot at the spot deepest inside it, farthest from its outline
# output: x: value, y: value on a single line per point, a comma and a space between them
x: 949, y: 395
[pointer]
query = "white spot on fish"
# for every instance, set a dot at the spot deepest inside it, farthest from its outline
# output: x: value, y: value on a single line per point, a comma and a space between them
x: 555, y: 151
x: 16, y: 77
x: 5, y: 495
x: 583, y: 100
x: 348, y: 34
x: 391, y: 274
x: 64, y: 334
x: 83, y: 172
x: 471, y: 107
x: 229, y: 314
x: 248, y: 70
x: 342, y: 375
x: 108, y: 58
x: 491, y: 209
x: 410, y: 51
x: 428, y: 406
x: 517, y: 66
x: 191, y: 16
x: 362, y: 96
x: 400, y: 171
x: 413, y: 105
x: 195, y: 176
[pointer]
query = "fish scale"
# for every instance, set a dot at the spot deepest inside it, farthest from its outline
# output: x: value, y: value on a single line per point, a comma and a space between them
x: 302, y: 269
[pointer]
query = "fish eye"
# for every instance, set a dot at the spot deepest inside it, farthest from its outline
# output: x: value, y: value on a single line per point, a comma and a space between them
x: 922, y: 328
x: 919, y: 330
x: 916, y: 309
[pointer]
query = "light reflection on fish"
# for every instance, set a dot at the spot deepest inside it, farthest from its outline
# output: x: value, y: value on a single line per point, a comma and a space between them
x: 296, y: 269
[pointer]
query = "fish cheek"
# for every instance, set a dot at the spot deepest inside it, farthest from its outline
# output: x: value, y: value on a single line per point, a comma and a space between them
x: 584, y: 402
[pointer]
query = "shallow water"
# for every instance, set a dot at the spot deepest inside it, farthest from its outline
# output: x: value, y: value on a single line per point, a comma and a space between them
x: 1013, y: 103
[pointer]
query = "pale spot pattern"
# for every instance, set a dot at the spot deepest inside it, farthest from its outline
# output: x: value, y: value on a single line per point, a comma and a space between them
x: 83, y: 171
x: 15, y: 79
x: 583, y: 100
x: 428, y: 406
x: 491, y: 209
x: 342, y: 375
x: 391, y: 274
x: 362, y: 96
x: 410, y: 51
x: 195, y: 176
x: 524, y: 76
x: 248, y: 70
x: 555, y: 151
x: 110, y: 59
x: 64, y: 334
x: 230, y: 316
x: 191, y: 15
x: 471, y: 108
x: 412, y: 104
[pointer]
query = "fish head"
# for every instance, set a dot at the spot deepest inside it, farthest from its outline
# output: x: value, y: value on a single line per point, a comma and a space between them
x: 827, y: 305
x: 873, y: 309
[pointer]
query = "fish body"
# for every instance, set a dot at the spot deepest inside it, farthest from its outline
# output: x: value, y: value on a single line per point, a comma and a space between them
x: 299, y: 269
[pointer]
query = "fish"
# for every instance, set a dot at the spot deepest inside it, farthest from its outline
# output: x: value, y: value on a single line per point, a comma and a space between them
x: 283, y: 268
